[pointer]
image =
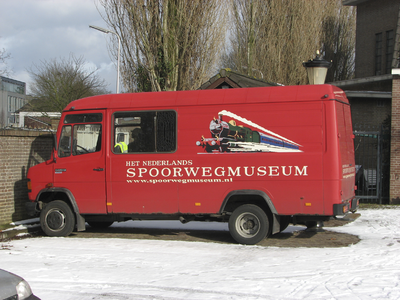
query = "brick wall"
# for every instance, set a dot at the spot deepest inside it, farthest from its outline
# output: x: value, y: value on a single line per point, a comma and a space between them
x: 20, y: 149
x: 395, y: 143
x: 368, y: 114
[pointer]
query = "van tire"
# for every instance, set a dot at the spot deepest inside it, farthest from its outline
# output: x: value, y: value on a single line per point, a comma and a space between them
x: 57, y: 219
x: 248, y: 224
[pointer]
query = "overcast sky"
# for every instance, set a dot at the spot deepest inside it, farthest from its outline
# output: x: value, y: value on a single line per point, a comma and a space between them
x: 36, y: 30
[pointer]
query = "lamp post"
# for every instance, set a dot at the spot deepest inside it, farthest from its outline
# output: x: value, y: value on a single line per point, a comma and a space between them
x: 119, y: 48
x: 317, y: 69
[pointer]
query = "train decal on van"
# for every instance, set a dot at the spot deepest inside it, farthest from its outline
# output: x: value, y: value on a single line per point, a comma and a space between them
x: 231, y: 137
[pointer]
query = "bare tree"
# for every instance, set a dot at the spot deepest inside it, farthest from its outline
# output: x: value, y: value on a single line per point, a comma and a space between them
x: 167, y: 44
x: 338, y: 40
x: 59, y: 81
x: 273, y: 37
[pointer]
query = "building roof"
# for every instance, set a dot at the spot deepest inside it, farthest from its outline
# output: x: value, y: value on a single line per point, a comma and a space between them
x: 367, y: 87
x: 226, y: 78
x: 36, y: 105
x: 13, y: 81
x: 353, y: 2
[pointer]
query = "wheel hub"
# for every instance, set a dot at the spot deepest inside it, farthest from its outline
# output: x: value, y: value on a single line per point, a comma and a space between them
x: 248, y: 225
x: 55, y: 219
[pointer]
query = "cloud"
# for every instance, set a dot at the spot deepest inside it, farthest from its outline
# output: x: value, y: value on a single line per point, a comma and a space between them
x: 34, y: 31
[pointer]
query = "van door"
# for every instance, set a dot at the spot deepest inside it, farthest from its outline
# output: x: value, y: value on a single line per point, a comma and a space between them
x: 80, y: 165
x: 143, y: 173
x: 346, y: 148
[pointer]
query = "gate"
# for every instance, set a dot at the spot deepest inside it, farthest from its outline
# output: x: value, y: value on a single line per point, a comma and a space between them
x: 367, y: 149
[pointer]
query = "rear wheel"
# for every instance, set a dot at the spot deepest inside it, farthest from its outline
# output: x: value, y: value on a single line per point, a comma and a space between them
x: 248, y: 224
x: 57, y: 219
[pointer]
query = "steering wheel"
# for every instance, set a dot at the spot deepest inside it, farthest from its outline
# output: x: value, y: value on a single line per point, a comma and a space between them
x: 84, y: 149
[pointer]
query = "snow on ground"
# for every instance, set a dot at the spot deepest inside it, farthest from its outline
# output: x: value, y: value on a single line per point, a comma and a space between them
x: 72, y: 268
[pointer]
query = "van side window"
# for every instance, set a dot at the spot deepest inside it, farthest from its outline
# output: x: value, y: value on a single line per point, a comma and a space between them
x: 166, y: 131
x: 144, y: 131
x: 86, y: 138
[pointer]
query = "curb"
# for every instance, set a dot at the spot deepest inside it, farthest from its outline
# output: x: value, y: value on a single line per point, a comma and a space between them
x: 8, y: 234
x: 20, y: 227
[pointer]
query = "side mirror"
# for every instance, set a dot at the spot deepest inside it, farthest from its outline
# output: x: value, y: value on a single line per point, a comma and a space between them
x: 55, y: 156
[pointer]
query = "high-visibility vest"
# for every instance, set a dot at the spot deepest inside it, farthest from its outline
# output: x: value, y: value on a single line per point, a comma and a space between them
x: 123, y: 147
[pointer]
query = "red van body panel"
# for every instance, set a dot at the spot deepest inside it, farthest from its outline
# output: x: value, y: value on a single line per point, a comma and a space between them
x: 292, y: 146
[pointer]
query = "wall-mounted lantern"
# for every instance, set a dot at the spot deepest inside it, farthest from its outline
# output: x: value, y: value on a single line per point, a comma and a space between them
x: 317, y: 69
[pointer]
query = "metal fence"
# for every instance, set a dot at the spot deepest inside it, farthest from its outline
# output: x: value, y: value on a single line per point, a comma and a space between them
x: 368, y: 158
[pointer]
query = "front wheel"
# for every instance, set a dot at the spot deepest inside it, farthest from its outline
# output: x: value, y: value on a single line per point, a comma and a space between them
x: 57, y: 219
x: 248, y: 224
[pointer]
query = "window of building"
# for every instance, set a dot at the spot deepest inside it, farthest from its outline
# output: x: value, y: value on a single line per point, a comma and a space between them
x: 15, y: 103
x: 389, y: 51
x: 378, y: 53
x: 13, y: 86
x: 380, y: 103
x: 149, y: 131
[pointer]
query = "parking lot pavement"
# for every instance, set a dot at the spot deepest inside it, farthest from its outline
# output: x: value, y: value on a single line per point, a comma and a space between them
x: 294, y: 236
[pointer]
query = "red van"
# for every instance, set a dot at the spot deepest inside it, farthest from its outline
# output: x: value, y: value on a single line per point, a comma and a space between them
x: 258, y: 158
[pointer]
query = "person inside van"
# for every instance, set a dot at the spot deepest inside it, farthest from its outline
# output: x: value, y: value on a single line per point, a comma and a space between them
x: 120, y: 146
x: 135, y: 144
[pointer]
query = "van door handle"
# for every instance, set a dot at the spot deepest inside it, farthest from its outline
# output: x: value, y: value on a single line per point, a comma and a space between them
x: 99, y: 169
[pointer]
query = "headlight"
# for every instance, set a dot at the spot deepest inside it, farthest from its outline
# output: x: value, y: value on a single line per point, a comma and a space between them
x: 23, y: 290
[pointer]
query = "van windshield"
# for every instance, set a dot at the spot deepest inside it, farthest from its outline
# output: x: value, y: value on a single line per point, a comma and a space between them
x: 83, y: 118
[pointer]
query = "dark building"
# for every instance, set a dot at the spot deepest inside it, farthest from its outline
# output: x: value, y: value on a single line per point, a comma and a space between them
x: 376, y: 49
x: 226, y: 78
x: 373, y: 96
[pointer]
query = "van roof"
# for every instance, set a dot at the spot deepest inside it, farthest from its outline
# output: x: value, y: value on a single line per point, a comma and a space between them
x: 274, y: 94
